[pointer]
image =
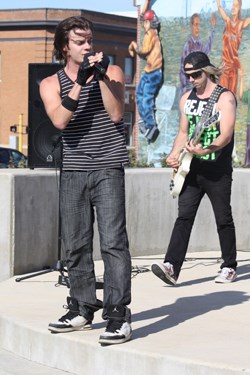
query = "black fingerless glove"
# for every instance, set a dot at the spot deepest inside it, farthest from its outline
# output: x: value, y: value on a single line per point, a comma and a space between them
x: 85, y: 71
x: 101, y: 68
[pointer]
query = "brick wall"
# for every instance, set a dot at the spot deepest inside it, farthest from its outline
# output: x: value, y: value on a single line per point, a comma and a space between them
x: 26, y: 36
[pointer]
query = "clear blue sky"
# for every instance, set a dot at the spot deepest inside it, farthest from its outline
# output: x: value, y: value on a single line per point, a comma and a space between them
x: 177, y: 8
x: 96, y: 5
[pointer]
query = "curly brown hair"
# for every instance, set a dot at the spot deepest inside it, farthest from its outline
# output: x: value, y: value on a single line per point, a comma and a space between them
x: 61, y: 38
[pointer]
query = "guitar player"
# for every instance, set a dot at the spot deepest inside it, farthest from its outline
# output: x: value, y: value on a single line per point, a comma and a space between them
x: 210, y: 169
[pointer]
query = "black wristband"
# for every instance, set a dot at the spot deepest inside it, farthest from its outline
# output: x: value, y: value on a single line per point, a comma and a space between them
x: 69, y: 103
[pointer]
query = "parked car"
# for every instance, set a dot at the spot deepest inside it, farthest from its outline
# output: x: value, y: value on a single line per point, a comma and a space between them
x: 11, y: 158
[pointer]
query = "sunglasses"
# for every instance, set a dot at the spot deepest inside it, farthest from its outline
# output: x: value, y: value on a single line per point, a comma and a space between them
x: 194, y: 75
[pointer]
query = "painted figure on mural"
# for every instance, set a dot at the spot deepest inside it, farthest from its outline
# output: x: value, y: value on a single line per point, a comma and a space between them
x: 232, y: 36
x: 151, y: 79
x: 194, y: 43
x: 245, y: 98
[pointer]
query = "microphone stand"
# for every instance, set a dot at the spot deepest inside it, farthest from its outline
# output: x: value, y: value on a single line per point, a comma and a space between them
x: 62, y: 279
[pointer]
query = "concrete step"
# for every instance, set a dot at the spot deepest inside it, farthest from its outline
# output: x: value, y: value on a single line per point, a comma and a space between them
x: 11, y: 364
x: 197, y: 327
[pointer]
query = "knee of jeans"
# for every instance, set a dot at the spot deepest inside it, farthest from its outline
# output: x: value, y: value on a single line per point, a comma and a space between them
x: 229, y: 225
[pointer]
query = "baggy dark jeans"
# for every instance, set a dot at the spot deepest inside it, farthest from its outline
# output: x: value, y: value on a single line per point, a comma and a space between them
x: 145, y: 96
x: 80, y: 193
x: 219, y: 194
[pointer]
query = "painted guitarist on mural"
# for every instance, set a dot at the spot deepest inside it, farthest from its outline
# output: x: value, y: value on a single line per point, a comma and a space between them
x: 210, y: 169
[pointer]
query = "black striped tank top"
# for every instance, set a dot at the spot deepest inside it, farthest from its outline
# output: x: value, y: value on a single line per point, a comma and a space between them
x: 91, y: 141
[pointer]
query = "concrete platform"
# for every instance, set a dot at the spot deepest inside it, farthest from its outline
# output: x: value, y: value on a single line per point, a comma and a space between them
x: 195, y: 328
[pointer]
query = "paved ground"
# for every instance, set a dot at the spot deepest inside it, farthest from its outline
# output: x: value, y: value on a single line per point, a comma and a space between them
x: 11, y: 364
x: 197, y: 327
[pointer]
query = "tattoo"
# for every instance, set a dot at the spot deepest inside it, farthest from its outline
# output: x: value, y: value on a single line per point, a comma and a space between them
x: 232, y: 101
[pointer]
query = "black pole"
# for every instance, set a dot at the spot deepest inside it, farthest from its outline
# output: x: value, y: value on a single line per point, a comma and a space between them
x: 59, y: 264
x: 62, y: 278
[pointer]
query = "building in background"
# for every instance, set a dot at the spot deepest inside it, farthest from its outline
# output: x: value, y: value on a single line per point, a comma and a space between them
x: 26, y: 37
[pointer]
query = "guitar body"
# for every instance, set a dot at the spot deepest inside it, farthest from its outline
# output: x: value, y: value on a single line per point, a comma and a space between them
x: 179, y: 176
x: 185, y: 158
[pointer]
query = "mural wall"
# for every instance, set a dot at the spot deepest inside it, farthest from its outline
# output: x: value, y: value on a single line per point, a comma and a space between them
x: 221, y: 28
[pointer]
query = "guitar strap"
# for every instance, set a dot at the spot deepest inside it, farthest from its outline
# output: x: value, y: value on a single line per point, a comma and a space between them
x: 210, y: 104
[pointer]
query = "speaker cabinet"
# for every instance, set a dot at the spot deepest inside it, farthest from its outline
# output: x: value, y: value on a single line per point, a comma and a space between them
x: 44, y: 146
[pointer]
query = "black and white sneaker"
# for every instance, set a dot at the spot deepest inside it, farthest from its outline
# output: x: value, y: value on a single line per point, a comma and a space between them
x: 141, y: 126
x: 152, y: 134
x: 165, y: 272
x: 118, y: 329
x: 72, y: 321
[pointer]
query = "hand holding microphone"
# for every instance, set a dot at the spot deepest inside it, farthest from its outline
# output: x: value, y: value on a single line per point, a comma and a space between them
x: 84, y: 72
x: 88, y: 68
x: 100, y: 67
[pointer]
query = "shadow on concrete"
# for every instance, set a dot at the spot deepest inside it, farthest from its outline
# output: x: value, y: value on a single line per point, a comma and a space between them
x: 185, y: 309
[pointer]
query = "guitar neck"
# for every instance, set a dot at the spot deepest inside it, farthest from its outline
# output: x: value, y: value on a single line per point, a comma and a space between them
x: 200, y: 127
x: 196, y: 135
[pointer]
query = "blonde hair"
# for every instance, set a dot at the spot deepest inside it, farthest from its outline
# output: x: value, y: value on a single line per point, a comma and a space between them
x: 213, y: 72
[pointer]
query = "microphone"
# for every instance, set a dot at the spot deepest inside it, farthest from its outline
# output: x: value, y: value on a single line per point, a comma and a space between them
x: 97, y: 66
x: 100, y: 69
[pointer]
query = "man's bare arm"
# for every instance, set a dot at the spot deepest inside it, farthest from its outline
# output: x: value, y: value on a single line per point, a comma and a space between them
x: 112, y: 89
x: 50, y: 94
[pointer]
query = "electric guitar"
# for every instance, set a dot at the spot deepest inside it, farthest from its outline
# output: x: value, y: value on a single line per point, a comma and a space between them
x: 185, y: 157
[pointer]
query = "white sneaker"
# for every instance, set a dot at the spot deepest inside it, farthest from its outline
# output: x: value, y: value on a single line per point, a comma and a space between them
x: 165, y: 271
x: 71, y: 321
x: 118, y: 328
x: 117, y: 332
x: 227, y: 275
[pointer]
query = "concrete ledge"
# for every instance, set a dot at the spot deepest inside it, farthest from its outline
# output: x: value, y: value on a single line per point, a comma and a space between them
x: 151, y: 213
x: 28, y: 220
x: 29, y: 217
x: 190, y: 329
